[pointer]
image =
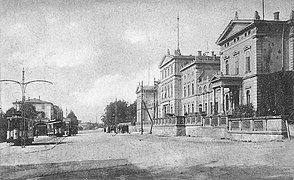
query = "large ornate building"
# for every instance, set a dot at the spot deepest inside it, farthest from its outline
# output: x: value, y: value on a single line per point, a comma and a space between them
x: 249, y: 49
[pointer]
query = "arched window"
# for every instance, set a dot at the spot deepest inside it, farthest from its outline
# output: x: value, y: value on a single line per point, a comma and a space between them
x: 204, y: 89
x: 247, y: 60
x: 192, y: 108
x: 185, y: 110
x: 248, y: 96
x: 192, y: 89
x: 227, y: 67
x: 200, y: 90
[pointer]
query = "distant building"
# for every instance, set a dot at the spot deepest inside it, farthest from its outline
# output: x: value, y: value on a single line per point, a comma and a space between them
x: 51, y: 111
x: 149, y: 98
x: 40, y: 105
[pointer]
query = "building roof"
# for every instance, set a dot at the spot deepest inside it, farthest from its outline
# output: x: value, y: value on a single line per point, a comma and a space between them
x: 167, y: 58
x: 34, y: 101
x: 238, y: 26
x: 146, y: 88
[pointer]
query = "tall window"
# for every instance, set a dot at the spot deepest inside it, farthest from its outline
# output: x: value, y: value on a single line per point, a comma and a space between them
x: 171, y: 70
x: 165, y: 91
x: 205, y: 107
x: 171, y: 90
x: 237, y: 65
x: 188, y: 90
x: 188, y: 109
x: 192, y: 89
x: 192, y: 108
x: 248, y: 96
x: 184, y: 91
x: 185, y: 110
x: 200, y: 107
x: 247, y: 59
x: 211, y: 108
x: 204, y: 89
x: 227, y: 67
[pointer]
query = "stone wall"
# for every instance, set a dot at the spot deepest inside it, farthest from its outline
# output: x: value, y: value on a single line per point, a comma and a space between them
x: 208, y: 131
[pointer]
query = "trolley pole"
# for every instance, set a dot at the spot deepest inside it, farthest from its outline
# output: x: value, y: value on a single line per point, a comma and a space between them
x: 23, y: 86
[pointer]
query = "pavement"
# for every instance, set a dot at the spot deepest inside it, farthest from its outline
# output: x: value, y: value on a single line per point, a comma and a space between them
x: 94, y: 154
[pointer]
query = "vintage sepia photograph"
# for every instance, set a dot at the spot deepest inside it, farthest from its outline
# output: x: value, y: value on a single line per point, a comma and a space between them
x: 147, y: 89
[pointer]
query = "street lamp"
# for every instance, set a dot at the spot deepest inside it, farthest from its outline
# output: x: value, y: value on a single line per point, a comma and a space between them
x: 23, y: 86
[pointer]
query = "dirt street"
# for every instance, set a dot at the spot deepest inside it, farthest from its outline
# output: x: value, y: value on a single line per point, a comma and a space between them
x: 96, y: 155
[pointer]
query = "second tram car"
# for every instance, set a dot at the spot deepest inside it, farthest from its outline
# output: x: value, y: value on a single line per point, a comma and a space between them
x: 20, y: 131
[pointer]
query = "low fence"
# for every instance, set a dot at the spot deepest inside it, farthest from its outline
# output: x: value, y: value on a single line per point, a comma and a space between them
x: 264, y: 124
x: 174, y: 120
x: 258, y: 128
x: 221, y: 126
x: 215, y: 120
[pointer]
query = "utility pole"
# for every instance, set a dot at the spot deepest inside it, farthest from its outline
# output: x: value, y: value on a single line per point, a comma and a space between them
x: 142, y: 108
x: 115, y: 117
x: 23, y: 86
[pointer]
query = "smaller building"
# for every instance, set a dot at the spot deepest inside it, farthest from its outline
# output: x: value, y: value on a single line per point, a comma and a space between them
x: 149, y: 107
x: 40, y: 105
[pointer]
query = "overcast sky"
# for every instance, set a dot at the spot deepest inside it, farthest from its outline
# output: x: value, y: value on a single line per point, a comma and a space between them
x: 95, y: 51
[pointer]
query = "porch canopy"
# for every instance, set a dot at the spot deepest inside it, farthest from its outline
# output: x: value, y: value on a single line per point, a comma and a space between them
x: 228, y: 99
x: 226, y: 81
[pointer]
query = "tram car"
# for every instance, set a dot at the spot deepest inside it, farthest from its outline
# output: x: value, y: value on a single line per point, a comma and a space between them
x: 70, y: 128
x: 55, y: 128
x: 20, y: 131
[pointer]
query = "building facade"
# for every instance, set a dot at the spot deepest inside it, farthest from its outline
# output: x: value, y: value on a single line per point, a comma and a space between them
x: 196, y: 89
x: 51, y: 111
x: 250, y: 49
x: 149, y: 106
x: 171, y: 83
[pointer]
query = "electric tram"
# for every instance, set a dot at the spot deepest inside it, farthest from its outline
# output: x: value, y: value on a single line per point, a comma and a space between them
x: 20, y: 130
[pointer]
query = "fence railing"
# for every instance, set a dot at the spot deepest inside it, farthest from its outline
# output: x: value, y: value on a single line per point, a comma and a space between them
x: 215, y: 120
x: 174, y: 120
x: 268, y: 123
x: 198, y: 120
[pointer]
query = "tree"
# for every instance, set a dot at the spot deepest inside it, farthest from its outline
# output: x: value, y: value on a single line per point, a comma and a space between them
x: 132, y: 112
x: 120, y: 110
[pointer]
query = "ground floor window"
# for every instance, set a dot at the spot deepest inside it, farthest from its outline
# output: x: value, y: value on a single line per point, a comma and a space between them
x: 248, y: 96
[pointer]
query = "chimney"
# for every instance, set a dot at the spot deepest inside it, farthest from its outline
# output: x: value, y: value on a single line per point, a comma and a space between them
x: 256, y: 15
x: 292, y: 15
x: 199, y: 53
x: 212, y: 53
x: 276, y: 16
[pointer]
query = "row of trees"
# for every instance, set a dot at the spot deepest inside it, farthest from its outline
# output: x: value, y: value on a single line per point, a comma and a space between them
x: 119, y: 112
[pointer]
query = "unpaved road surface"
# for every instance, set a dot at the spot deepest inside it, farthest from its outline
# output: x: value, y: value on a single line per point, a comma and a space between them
x: 96, y: 155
